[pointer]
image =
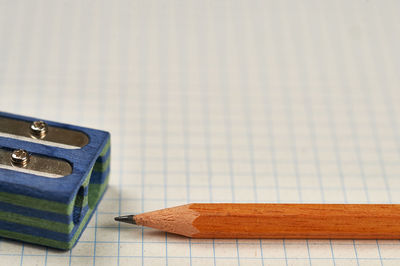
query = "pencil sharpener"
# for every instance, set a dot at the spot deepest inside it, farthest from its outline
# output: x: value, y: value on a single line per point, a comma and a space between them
x: 52, y: 177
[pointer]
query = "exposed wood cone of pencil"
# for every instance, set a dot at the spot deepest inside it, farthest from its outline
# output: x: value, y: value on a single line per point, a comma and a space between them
x: 329, y: 221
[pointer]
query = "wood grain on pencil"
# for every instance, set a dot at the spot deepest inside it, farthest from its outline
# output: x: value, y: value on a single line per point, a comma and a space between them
x: 340, y: 221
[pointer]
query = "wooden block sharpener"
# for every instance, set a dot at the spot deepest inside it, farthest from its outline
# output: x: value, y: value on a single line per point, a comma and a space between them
x: 52, y: 177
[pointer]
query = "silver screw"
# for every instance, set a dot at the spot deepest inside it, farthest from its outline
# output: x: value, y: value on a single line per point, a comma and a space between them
x: 20, y: 158
x: 39, y: 129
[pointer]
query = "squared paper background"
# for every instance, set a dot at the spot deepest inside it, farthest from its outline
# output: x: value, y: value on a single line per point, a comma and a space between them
x: 214, y: 101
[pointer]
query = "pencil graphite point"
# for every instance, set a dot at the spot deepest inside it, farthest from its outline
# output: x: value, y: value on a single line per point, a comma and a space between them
x: 126, y: 219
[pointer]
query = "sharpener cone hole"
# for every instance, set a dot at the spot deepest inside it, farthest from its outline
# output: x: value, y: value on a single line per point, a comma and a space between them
x: 78, y: 205
x: 94, y: 192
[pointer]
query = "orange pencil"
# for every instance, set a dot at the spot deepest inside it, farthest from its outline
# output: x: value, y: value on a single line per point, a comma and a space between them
x: 235, y: 220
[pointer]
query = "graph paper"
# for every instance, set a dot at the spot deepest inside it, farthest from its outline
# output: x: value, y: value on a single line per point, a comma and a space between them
x: 214, y: 101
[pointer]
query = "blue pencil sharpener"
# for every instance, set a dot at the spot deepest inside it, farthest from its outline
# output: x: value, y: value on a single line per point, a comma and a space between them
x: 52, y: 177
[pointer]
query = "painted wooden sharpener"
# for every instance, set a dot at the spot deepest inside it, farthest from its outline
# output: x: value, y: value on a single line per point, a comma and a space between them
x: 52, y: 177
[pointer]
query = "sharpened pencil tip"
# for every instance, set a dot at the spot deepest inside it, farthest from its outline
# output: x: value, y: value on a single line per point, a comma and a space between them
x: 126, y: 219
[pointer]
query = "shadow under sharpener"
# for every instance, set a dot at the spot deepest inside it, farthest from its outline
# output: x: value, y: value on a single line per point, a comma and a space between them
x: 52, y: 211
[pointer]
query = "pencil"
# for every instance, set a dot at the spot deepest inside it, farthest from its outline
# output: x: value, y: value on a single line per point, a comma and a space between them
x: 301, y: 221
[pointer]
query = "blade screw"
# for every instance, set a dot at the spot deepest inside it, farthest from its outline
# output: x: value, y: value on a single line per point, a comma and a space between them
x: 20, y: 158
x: 39, y: 129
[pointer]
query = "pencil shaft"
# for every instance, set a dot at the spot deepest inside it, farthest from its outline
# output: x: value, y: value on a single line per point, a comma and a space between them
x: 334, y: 221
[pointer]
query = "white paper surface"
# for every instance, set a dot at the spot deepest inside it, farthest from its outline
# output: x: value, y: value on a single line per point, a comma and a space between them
x: 214, y: 101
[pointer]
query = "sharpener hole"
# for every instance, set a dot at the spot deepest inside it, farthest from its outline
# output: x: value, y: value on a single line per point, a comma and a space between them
x: 78, y: 205
x: 94, y: 192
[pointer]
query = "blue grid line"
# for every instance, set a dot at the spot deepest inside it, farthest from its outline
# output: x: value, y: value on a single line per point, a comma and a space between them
x: 164, y: 121
x: 183, y: 84
x: 208, y: 257
x: 249, y: 123
x: 249, y: 137
x: 282, y: 27
x: 267, y: 187
x: 143, y: 115
x: 351, y: 122
x: 207, y: 137
x: 209, y: 241
x: 22, y: 68
x: 256, y: 135
x: 101, y: 119
x: 337, y: 156
x: 244, y: 161
x: 244, y: 83
x: 227, y: 119
x: 143, y: 161
x: 39, y: 103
